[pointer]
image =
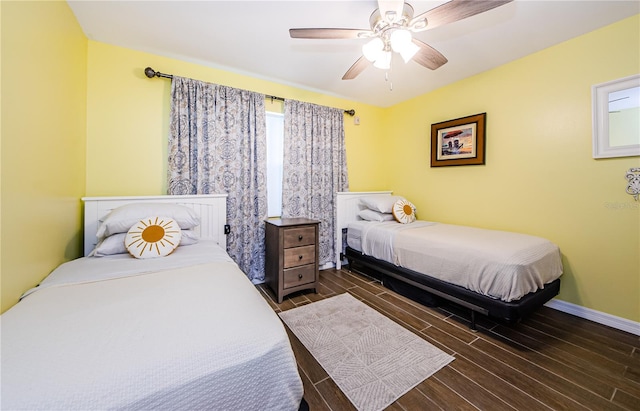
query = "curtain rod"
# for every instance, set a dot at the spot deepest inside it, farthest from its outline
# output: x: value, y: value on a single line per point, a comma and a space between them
x: 151, y: 73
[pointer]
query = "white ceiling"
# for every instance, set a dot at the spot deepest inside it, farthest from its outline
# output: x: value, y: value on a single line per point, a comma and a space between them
x: 252, y: 37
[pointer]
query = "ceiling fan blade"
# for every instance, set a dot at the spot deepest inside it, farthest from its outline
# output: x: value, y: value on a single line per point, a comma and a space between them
x: 357, y: 68
x: 390, y: 10
x: 456, y: 10
x: 428, y: 56
x: 329, y: 33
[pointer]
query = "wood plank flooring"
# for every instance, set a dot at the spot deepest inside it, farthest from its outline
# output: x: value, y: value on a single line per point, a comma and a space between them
x: 551, y: 360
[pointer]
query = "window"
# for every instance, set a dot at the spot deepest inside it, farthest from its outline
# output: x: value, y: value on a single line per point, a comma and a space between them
x: 275, y: 148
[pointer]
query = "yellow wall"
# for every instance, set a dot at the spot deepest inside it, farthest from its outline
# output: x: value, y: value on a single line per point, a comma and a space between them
x: 43, y: 142
x: 540, y: 177
x: 128, y: 116
x: 2, y: 308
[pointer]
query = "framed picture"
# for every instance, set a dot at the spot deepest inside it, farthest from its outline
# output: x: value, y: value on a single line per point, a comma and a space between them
x: 458, y: 142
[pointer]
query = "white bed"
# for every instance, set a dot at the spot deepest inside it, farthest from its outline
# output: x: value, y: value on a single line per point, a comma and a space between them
x: 489, y: 271
x: 185, y: 331
x: 498, y: 264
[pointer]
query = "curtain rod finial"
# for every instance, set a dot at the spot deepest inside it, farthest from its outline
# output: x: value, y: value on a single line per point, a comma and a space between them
x: 149, y: 72
x: 351, y: 112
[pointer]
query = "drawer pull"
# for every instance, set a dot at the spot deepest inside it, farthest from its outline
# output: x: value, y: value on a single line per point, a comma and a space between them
x: 300, y: 276
x: 299, y: 238
x: 299, y: 257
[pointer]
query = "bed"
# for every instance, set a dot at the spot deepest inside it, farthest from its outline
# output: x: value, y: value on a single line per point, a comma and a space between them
x: 499, y: 274
x: 182, y: 331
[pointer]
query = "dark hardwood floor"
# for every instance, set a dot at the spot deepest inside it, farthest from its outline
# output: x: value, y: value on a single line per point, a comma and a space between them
x: 551, y: 360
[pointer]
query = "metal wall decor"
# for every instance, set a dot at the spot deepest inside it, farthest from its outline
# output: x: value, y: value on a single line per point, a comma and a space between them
x: 633, y: 177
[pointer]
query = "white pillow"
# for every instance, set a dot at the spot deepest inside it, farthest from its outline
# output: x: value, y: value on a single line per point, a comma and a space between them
x: 404, y: 212
x: 371, y: 215
x: 121, y: 219
x: 153, y: 237
x: 114, y: 244
x: 381, y: 204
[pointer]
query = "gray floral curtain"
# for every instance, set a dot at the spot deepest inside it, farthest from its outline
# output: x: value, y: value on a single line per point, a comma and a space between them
x: 315, y: 167
x: 217, y: 144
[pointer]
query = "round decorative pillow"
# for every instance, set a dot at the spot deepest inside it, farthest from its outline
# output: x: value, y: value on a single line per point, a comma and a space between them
x: 153, y: 237
x: 404, y: 212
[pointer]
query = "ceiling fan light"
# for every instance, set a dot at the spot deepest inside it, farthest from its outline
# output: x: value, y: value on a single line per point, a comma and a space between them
x: 383, y: 61
x: 408, y: 52
x: 373, y: 49
x: 400, y: 39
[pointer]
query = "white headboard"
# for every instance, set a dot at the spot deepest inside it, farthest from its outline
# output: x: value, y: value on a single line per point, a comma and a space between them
x: 347, y: 208
x: 212, y: 209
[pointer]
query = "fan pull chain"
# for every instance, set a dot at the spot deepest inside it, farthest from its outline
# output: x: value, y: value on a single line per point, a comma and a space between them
x: 386, y: 78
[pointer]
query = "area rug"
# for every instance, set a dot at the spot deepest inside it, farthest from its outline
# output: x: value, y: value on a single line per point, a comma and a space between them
x: 373, y: 360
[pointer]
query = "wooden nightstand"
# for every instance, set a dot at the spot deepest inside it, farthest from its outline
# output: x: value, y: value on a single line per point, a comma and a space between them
x: 291, y: 260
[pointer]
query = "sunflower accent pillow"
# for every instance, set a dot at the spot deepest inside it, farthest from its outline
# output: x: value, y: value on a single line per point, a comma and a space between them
x: 404, y: 212
x: 153, y: 237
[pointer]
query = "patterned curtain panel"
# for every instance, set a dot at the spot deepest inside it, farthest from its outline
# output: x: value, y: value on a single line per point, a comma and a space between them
x: 217, y: 144
x: 315, y: 167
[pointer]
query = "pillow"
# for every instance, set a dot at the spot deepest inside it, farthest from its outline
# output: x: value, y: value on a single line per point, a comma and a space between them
x: 404, y: 212
x: 114, y: 244
x: 381, y: 204
x: 371, y: 215
x: 120, y: 219
x: 153, y: 237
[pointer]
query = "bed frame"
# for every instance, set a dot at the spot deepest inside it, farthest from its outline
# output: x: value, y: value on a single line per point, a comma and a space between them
x: 422, y: 288
x: 212, y: 209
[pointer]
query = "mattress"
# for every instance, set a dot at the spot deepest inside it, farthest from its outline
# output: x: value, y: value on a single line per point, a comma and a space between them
x: 498, y: 264
x: 193, y: 334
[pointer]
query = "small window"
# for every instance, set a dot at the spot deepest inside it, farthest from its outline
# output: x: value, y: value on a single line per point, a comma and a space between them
x: 275, y: 149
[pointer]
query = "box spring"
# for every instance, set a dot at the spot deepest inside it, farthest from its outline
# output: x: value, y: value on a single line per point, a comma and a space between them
x: 429, y: 291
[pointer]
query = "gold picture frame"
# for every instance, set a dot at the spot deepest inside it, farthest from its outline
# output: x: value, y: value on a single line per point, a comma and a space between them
x: 459, y: 142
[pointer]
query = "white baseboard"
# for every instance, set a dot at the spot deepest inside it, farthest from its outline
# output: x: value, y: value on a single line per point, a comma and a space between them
x: 596, y: 316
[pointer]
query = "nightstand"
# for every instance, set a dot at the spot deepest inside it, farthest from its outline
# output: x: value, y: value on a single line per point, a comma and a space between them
x: 291, y: 255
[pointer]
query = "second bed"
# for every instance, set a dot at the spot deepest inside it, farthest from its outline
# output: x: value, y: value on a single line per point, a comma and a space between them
x: 502, y: 274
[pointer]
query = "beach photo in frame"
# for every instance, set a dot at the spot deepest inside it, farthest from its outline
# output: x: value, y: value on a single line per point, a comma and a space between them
x: 458, y: 142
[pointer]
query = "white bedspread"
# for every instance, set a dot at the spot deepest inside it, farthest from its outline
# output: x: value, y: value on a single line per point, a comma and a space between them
x: 185, y: 337
x: 498, y: 264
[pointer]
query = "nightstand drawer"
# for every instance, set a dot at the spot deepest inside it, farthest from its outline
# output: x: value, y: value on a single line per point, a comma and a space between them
x: 294, y: 277
x: 294, y: 257
x: 296, y: 237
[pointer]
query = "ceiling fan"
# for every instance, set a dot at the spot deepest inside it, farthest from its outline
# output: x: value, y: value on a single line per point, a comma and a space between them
x: 392, y: 25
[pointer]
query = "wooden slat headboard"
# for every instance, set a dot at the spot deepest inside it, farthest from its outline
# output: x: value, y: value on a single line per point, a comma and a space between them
x: 212, y: 209
x: 347, y: 208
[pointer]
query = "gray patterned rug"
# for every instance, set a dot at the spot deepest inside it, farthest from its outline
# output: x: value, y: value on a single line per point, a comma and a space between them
x: 372, y: 359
